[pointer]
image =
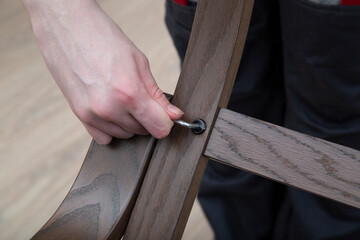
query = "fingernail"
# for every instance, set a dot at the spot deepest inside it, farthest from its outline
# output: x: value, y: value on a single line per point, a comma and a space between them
x: 174, y: 110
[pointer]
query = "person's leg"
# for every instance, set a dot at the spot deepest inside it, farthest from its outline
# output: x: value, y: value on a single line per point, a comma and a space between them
x: 240, y: 205
x: 322, y: 81
x: 179, y: 20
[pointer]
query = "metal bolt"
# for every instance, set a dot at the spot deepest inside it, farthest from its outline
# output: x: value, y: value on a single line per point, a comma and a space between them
x: 198, y: 126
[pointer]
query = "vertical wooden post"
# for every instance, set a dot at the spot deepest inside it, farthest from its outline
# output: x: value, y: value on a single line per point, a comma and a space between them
x: 176, y: 168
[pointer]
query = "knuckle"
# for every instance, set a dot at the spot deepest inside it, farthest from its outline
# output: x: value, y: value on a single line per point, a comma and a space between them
x: 83, y: 114
x: 143, y: 60
x: 158, y: 94
x: 102, y: 110
x: 127, y: 95
x: 143, y: 65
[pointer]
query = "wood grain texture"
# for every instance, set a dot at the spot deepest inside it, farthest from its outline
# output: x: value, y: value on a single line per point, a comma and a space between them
x: 315, y: 165
x: 98, y: 205
x: 175, y: 171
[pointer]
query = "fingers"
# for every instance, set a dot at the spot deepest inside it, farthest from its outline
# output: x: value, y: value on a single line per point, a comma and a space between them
x: 115, y: 130
x: 136, y: 107
x: 156, y: 93
x: 99, y: 136
x: 103, y: 134
x: 173, y: 111
x: 151, y: 108
x: 151, y: 115
x: 116, y: 123
x: 130, y: 124
x: 136, y: 112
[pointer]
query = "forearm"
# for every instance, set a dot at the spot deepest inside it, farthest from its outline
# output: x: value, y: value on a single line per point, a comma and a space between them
x: 44, y: 12
x: 64, y: 16
x: 73, y: 33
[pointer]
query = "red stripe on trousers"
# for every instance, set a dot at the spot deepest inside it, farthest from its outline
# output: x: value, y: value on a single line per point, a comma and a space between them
x: 350, y: 2
x: 181, y: 2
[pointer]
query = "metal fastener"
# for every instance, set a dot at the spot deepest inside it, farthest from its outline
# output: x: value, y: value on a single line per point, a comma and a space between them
x: 198, y: 126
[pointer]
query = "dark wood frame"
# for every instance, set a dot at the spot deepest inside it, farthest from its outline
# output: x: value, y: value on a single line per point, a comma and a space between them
x: 145, y: 189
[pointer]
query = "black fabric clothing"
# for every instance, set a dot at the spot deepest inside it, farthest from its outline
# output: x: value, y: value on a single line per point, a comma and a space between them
x: 300, y: 69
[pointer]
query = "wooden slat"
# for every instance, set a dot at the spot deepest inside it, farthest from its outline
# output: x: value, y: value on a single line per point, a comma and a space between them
x: 172, y: 180
x: 318, y: 166
x: 99, y: 203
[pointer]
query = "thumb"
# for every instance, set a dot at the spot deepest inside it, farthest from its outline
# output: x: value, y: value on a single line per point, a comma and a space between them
x: 158, y: 95
x: 173, y: 111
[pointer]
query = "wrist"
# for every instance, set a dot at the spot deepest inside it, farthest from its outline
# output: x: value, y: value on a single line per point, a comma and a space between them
x: 34, y: 5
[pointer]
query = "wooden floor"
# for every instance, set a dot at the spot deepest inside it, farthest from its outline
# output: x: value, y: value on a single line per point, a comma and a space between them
x: 42, y: 144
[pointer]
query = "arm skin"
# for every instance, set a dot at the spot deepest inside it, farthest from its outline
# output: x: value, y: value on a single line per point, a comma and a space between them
x: 104, y: 77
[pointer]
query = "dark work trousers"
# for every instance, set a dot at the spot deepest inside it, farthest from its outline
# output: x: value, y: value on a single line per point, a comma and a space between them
x: 300, y: 69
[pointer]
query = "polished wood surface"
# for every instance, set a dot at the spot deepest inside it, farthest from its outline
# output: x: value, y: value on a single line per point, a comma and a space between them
x: 177, y: 165
x: 320, y: 167
x: 42, y: 144
x: 99, y: 203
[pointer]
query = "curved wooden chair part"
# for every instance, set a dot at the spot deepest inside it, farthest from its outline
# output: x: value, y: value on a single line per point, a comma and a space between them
x: 109, y: 199
x: 100, y: 201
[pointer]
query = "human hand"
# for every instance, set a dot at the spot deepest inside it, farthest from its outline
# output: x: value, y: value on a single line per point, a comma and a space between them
x: 105, y: 78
